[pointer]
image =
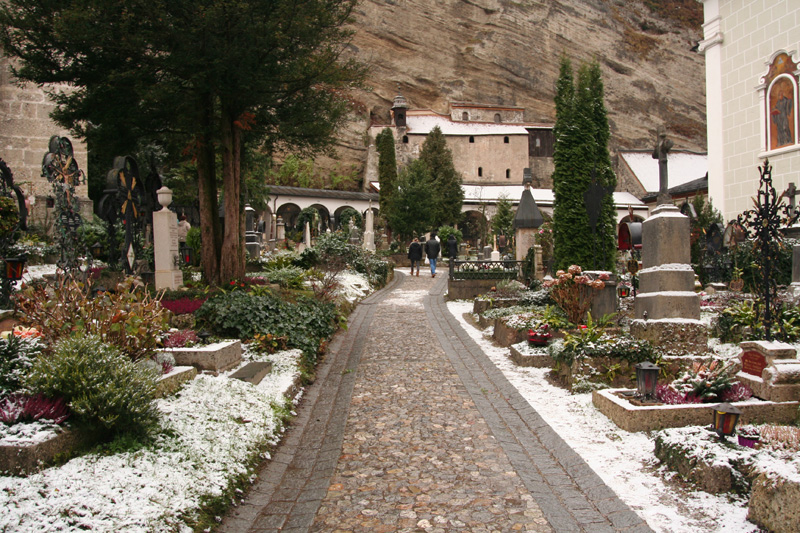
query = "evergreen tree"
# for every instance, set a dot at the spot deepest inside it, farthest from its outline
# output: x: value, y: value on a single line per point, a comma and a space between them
x: 206, y: 78
x: 581, y: 156
x: 411, y: 211
x: 387, y: 169
x: 503, y: 219
x: 448, y: 194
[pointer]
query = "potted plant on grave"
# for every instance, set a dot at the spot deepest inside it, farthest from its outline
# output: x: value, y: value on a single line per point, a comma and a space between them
x: 539, y: 336
x: 748, y: 436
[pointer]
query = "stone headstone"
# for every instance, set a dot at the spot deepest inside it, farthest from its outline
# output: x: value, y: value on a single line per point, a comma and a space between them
x: 487, y: 252
x: 165, y: 244
x: 771, y: 369
x: 666, y: 284
x: 369, y: 233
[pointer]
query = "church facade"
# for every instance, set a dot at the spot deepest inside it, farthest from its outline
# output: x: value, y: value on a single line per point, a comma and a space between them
x: 752, y: 51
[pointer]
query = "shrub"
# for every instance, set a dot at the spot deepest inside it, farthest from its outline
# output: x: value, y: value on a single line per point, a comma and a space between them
x: 103, y: 388
x: 17, y: 354
x: 306, y: 323
x: 574, y: 292
x: 181, y: 339
x: 127, y: 318
x: 539, y: 298
x: 18, y: 407
x: 289, y: 277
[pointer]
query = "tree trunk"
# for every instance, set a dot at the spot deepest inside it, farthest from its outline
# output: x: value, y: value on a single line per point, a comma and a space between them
x: 209, y: 217
x: 231, y: 261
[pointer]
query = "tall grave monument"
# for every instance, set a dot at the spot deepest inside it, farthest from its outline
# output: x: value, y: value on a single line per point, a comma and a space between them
x: 667, y: 310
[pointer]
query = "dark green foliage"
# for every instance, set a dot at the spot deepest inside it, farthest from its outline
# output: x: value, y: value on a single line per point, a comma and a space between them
x: 412, y: 210
x: 444, y: 233
x: 333, y: 252
x: 387, y: 168
x: 706, y: 215
x: 204, y: 78
x: 448, y: 196
x: 306, y: 323
x: 350, y: 216
x: 503, y: 219
x: 529, y: 266
x: 744, y: 321
x: 17, y: 355
x: 310, y: 215
x: 102, y: 387
x: 581, y: 156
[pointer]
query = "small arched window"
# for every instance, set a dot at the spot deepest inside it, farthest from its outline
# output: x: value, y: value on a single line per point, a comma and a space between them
x: 405, y: 139
x: 465, y: 116
x: 508, y: 173
x: 480, y: 171
x: 471, y: 139
x: 497, y: 118
x: 505, y: 139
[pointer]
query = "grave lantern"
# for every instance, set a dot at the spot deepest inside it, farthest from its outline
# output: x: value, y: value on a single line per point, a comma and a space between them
x: 646, y: 379
x: 187, y: 254
x: 725, y: 418
x: 14, y: 267
x: 97, y: 250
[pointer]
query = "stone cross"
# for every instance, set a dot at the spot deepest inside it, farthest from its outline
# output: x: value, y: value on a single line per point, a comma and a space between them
x: 791, y: 192
x: 662, y: 148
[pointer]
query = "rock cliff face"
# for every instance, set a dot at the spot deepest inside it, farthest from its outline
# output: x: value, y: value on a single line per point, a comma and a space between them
x: 508, y: 52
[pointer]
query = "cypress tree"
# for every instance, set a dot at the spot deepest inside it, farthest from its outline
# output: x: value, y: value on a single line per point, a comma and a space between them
x: 448, y: 194
x: 387, y: 169
x: 581, y: 154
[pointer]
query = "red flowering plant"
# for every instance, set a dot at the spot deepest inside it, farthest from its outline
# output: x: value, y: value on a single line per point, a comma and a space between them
x: 574, y: 291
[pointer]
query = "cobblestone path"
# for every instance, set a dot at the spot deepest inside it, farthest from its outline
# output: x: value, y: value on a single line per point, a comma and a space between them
x: 410, y: 427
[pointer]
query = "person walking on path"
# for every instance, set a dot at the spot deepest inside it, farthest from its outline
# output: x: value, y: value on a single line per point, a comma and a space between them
x: 432, y: 249
x: 415, y: 255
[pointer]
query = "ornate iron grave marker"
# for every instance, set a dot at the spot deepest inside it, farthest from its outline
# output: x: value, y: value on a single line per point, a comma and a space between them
x: 763, y: 224
x: 61, y: 170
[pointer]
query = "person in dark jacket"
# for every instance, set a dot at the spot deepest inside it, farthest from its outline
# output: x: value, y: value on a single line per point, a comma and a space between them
x: 415, y: 255
x: 432, y: 249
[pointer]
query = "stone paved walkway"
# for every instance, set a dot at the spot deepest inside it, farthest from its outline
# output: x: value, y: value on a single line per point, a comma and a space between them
x: 410, y: 427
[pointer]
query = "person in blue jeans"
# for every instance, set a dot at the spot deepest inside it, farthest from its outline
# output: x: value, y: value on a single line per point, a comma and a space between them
x: 432, y: 249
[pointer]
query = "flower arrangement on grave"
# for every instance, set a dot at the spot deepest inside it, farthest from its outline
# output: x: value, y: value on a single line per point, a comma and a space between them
x: 540, y: 336
x: 574, y: 291
x: 704, y: 382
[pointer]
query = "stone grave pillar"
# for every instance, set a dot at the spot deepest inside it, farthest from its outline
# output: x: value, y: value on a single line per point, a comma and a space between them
x: 666, y: 308
x: 369, y: 233
x: 495, y: 253
x: 165, y: 243
x: 606, y: 302
x: 795, y: 286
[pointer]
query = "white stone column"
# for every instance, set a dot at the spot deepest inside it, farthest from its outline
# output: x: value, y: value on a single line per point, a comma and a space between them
x: 165, y: 243
x: 369, y: 233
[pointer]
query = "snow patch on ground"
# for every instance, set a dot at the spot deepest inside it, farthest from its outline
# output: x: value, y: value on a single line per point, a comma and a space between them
x: 624, y: 460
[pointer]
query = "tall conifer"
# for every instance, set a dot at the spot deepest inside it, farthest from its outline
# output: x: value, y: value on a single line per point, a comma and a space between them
x: 387, y: 169
x: 581, y: 154
x: 446, y: 181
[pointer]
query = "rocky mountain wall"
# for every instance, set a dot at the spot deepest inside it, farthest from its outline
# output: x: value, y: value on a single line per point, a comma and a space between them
x: 508, y: 52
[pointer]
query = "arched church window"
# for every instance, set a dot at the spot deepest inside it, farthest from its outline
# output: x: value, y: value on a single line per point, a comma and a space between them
x: 508, y: 173
x: 505, y: 139
x: 778, y: 95
x: 471, y: 139
x: 480, y: 171
x: 405, y: 139
x: 497, y: 118
x: 465, y: 116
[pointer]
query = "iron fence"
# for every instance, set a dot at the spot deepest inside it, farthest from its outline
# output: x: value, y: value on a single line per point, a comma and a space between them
x: 482, y: 269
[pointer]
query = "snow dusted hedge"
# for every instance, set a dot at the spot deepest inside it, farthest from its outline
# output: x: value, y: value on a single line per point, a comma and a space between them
x: 216, y: 431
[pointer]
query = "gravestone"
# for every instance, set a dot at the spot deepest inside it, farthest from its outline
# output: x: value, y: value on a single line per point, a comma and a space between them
x: 252, y: 237
x: 165, y: 244
x: 369, y: 233
x: 771, y: 369
x: 666, y: 308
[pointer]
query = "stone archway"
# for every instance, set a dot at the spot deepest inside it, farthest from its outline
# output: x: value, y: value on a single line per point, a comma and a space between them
x: 288, y: 213
x: 324, y: 222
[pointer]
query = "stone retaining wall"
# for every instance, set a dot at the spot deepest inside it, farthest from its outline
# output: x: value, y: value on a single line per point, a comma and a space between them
x: 652, y: 417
